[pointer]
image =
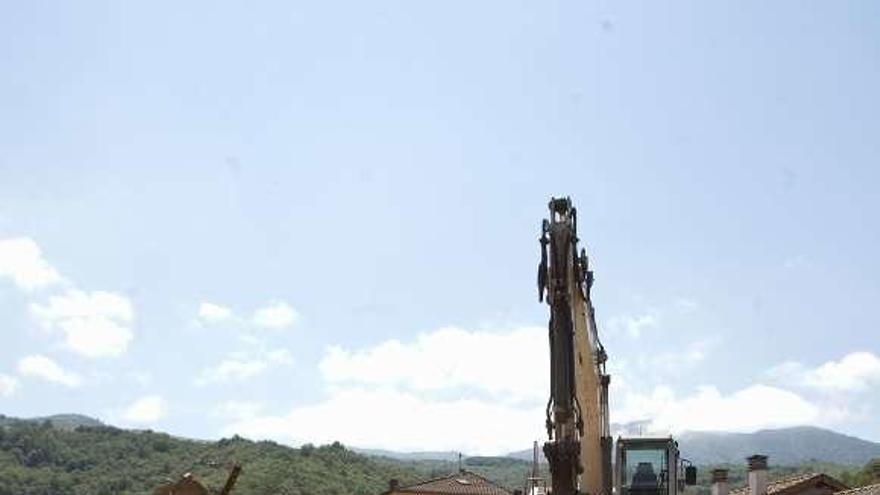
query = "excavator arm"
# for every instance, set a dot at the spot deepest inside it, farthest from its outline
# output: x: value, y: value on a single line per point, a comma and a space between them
x: 579, y: 445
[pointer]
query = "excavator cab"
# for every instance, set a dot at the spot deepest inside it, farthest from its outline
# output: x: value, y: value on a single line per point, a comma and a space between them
x: 651, y: 466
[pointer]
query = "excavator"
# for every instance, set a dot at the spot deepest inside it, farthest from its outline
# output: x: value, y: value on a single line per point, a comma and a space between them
x: 579, y: 449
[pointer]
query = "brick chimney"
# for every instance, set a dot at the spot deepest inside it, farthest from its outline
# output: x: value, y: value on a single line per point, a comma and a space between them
x: 757, y: 474
x: 393, y: 485
x: 719, y: 482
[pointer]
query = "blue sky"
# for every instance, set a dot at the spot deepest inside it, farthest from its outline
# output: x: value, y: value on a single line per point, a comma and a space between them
x: 279, y: 220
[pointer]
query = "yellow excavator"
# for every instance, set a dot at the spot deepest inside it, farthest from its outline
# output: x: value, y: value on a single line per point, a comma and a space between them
x: 579, y: 449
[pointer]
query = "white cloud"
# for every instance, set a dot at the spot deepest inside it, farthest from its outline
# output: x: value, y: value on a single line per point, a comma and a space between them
x: 479, y: 391
x: 47, y: 369
x: 751, y: 408
x: 400, y: 387
x: 8, y: 385
x: 22, y: 260
x: 854, y: 372
x: 632, y: 325
x: 239, y: 367
x: 275, y: 315
x: 788, y: 394
x: 213, y: 313
x: 510, y: 366
x: 95, y: 324
x: 147, y: 409
x: 401, y: 421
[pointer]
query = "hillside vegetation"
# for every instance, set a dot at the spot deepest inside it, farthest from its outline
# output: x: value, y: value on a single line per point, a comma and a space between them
x: 55, y: 456
x: 39, y: 459
x: 70, y: 455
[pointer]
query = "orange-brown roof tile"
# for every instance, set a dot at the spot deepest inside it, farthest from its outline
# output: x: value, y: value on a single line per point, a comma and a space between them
x: 862, y: 490
x: 462, y: 483
x: 792, y: 483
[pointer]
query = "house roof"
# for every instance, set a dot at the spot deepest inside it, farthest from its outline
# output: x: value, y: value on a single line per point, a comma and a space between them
x: 862, y: 490
x: 461, y: 483
x: 793, y: 484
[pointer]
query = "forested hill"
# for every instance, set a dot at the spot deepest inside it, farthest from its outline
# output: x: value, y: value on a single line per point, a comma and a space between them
x: 37, y: 458
x: 76, y: 455
x: 784, y: 446
x: 72, y: 454
x: 63, y: 421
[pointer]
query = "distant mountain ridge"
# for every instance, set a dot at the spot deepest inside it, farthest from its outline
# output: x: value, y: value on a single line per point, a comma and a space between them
x: 411, y: 456
x: 60, y: 421
x: 783, y: 446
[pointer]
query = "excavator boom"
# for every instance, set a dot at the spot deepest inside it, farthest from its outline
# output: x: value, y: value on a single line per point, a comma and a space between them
x: 579, y: 446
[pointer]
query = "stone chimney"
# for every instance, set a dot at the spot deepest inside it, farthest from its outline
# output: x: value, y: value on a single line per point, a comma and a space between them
x: 393, y: 485
x: 757, y: 474
x: 719, y: 482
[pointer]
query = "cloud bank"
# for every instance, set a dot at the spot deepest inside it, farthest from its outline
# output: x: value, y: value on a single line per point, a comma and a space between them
x: 93, y: 323
x: 484, y: 392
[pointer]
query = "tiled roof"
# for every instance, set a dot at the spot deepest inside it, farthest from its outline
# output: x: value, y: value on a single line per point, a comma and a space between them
x: 792, y: 483
x: 862, y: 490
x: 461, y: 483
x: 186, y: 486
